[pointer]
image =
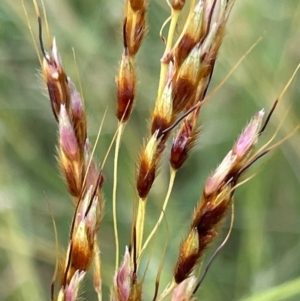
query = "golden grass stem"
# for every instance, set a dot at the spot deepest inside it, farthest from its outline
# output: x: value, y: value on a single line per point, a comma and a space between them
x: 163, y: 209
x: 114, y: 200
x: 56, y: 251
x: 97, y: 272
x: 140, y: 222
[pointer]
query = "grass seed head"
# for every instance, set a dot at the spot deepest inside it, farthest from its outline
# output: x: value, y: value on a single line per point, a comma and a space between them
x: 184, y: 140
x: 126, y: 82
x: 186, y: 82
x: 192, y: 33
x: 147, y: 166
x: 83, y: 235
x: 135, y: 27
x: 249, y: 136
x: 163, y: 116
x: 123, y: 280
x: 188, y: 256
x: 203, y: 230
x: 56, y: 81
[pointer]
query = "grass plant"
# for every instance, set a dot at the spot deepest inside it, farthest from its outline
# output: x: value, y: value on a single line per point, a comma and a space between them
x: 172, y: 151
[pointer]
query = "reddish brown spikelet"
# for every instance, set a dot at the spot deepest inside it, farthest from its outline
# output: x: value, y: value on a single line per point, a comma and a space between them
x: 185, y: 84
x: 207, y: 216
x: 216, y: 199
x: 147, y: 166
x: 135, y: 26
x: 126, y: 82
x: 163, y: 115
x: 188, y: 256
x: 184, y: 140
x: 184, y: 94
x: 56, y: 81
x: 137, y: 5
x: 178, y: 4
x: 192, y: 34
x: 209, y: 213
x: 205, y: 223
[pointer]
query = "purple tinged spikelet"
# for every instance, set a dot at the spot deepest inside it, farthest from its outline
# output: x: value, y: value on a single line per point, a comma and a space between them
x: 249, y: 136
x: 184, y: 290
x: 123, y: 280
x: 87, y: 213
x: 217, y: 177
x: 67, y: 138
x: 76, y: 101
x: 70, y: 293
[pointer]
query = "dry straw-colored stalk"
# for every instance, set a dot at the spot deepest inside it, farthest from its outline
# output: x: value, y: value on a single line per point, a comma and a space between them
x: 187, y: 66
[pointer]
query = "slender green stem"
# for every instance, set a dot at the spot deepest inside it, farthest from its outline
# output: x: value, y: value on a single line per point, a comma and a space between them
x: 140, y: 222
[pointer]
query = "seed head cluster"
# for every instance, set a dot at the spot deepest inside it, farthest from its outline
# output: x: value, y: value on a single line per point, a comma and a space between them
x: 187, y: 67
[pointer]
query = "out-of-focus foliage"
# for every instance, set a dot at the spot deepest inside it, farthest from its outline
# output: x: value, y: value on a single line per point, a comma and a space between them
x: 263, y: 251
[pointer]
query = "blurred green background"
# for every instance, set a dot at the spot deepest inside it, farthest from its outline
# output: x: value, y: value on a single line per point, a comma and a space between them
x: 261, y: 261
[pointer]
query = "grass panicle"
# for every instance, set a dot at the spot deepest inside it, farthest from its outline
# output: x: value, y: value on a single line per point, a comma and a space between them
x: 186, y: 69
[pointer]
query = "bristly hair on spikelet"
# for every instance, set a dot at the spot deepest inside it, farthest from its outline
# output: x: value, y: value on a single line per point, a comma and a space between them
x: 186, y: 69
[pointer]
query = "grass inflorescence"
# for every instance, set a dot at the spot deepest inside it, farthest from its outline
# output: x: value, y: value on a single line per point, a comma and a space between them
x: 150, y: 260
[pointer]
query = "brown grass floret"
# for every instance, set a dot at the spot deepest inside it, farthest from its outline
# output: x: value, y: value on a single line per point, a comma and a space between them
x: 56, y: 81
x: 184, y: 140
x: 148, y: 165
x: 135, y: 24
x: 126, y: 83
